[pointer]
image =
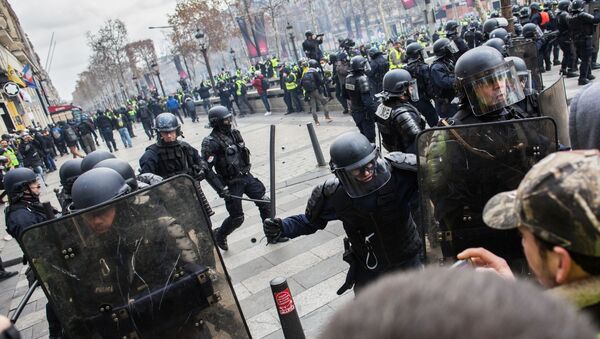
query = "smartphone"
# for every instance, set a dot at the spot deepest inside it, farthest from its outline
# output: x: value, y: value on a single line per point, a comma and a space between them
x: 460, y: 264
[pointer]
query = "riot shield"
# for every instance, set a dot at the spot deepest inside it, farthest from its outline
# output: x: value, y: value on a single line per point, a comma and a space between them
x: 461, y: 168
x: 552, y: 102
x: 591, y: 8
x: 526, y: 50
x: 142, y: 266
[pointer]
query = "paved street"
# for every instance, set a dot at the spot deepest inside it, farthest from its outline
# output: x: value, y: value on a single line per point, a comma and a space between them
x: 312, y: 264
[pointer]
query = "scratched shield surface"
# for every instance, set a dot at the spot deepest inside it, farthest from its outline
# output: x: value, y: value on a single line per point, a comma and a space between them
x: 141, y: 266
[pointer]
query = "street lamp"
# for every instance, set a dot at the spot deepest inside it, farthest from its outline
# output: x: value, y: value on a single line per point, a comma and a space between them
x: 155, y: 69
x: 232, y: 52
x: 203, y: 41
x: 290, y: 32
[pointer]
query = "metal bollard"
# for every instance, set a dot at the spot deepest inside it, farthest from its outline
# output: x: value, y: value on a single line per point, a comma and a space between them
x: 288, y: 314
x: 315, y: 144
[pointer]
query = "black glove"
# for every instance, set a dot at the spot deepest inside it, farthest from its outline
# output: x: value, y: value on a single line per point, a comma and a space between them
x: 273, y: 227
x: 225, y: 194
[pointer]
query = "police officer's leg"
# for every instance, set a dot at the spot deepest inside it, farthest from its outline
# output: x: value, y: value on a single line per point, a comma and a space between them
x: 313, y: 107
x: 582, y: 52
x: 555, y: 51
x: 235, y: 218
x: 255, y: 189
x: 547, y: 50
x: 369, y: 129
x: 54, y: 326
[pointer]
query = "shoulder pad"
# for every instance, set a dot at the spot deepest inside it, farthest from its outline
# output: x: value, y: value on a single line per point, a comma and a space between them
x: 350, y: 83
x: 403, y: 161
x: 152, y: 148
x: 363, y: 84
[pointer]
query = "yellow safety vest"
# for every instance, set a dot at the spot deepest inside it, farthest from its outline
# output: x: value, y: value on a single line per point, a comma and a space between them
x: 398, y: 55
x: 12, y: 156
x: 238, y: 87
x: 291, y: 85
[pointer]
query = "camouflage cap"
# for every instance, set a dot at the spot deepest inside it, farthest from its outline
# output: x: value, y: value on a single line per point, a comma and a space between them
x: 558, y: 200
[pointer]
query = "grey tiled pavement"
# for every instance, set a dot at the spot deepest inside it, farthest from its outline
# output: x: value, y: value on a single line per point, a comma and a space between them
x: 312, y: 263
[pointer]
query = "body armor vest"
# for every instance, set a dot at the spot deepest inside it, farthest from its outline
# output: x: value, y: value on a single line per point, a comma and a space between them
x: 233, y: 157
x: 174, y: 159
x: 384, y: 237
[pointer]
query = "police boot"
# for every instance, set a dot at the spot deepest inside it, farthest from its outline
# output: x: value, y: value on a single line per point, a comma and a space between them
x: 583, y: 81
x: 595, y: 65
x: 228, y: 226
x: 220, y: 239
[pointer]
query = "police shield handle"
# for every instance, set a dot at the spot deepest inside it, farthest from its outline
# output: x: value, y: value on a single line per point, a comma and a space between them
x: 286, y: 309
x: 272, y: 170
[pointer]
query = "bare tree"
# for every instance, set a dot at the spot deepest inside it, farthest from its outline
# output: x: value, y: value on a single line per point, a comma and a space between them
x: 274, y: 8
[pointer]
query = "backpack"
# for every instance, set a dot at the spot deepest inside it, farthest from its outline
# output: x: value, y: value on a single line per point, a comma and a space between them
x: 308, y: 82
x: 70, y: 134
x: 265, y: 84
x: 56, y: 133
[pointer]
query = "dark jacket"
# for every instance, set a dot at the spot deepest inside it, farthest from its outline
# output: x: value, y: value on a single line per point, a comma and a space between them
x: 31, y: 154
x: 311, y: 49
x: 104, y: 123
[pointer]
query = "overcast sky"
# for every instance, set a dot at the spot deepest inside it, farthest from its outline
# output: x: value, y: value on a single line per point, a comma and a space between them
x: 71, y: 19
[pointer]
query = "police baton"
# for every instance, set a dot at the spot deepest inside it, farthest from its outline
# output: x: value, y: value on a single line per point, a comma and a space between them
x: 286, y: 309
x: 249, y: 199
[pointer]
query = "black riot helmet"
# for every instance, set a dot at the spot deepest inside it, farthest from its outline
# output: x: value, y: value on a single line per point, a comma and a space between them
x: 312, y: 63
x: 498, y: 44
x: 355, y: 162
x: 358, y: 64
x: 500, y: 33
x: 515, y: 9
x: 491, y: 24
x: 525, y: 12
x: 308, y: 34
x: 93, y: 158
x: 576, y: 6
x: 167, y: 122
x: 398, y: 82
x: 487, y: 81
x: 219, y: 117
x: 532, y: 31
x: 444, y: 48
x: 69, y: 172
x: 518, y: 29
x: 451, y: 28
x: 523, y: 73
x: 97, y: 186
x: 374, y: 52
x: 494, y: 14
x: 16, y: 182
x: 414, y: 51
x: 535, y: 7
x: 121, y: 167
x: 563, y: 5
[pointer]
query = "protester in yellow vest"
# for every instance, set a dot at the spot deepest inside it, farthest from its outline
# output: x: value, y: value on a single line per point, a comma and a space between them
x: 395, y: 56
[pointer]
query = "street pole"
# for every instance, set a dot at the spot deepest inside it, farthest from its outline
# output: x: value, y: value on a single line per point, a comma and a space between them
x: 506, y: 8
x: 212, y: 81
x: 294, y: 48
x: 161, y: 84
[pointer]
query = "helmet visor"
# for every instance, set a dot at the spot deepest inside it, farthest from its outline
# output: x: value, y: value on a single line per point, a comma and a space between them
x: 526, y: 82
x: 452, y: 48
x: 362, y: 179
x: 493, y: 89
x: 413, y: 90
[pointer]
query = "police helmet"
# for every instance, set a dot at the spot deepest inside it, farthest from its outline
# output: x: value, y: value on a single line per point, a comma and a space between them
x: 342, y: 56
x: 121, y: 167
x: 494, y: 14
x: 167, y: 122
x: 312, y: 63
x: 535, y: 6
x: 576, y: 6
x: 69, y: 171
x: 355, y: 162
x: 358, y: 64
x: 532, y: 31
x: 498, y: 44
x: 415, y: 50
x: 97, y: 186
x: 16, y: 181
x: 409, y: 41
x: 522, y: 72
x: 451, y: 27
x: 500, y: 33
x: 525, y: 12
x: 487, y: 81
x: 515, y: 9
x: 491, y: 24
x: 563, y: 5
x: 444, y: 47
x: 399, y: 82
x: 374, y: 52
x: 518, y: 28
x: 216, y: 115
x: 93, y: 158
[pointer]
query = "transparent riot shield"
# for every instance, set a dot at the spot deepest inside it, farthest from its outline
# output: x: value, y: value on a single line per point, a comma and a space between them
x: 526, y: 50
x: 142, y: 266
x: 461, y: 168
x: 552, y: 102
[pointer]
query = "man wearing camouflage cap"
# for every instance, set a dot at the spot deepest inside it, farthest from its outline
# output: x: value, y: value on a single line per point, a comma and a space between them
x: 557, y: 211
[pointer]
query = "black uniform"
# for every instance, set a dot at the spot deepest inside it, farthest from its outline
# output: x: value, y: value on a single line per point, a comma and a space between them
x: 382, y: 236
x: 379, y: 66
x: 399, y: 127
x: 227, y: 154
x: 581, y: 26
x: 362, y: 106
x: 170, y: 159
x: 564, y: 40
x: 419, y: 70
x: 443, y: 78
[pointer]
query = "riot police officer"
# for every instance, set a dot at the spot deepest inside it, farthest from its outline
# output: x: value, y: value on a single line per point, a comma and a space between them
x: 453, y: 35
x: 564, y: 39
x: 379, y: 67
x: 68, y: 173
x: 497, y: 44
x: 372, y: 197
x: 24, y: 211
x: 488, y: 87
x: 442, y: 76
x: 358, y: 92
x: 93, y: 158
x: 170, y: 156
x: 398, y: 121
x: 529, y: 105
x: 419, y: 70
x: 473, y: 37
x: 581, y: 26
x: 225, y: 151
